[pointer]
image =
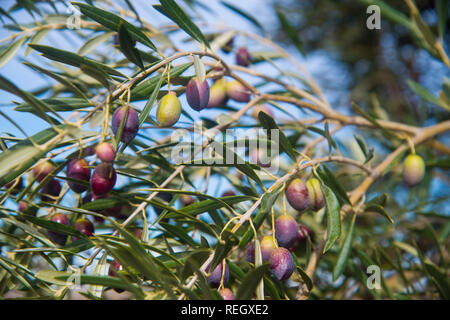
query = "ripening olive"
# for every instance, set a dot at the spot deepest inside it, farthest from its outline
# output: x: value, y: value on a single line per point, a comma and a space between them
x: 226, y: 294
x: 297, y: 194
x: 281, y: 263
x: 78, y: 169
x: 218, y: 94
x: 215, y: 276
x: 105, y: 152
x: 57, y: 237
x: 130, y: 125
x: 103, y: 179
x: 237, y: 92
x: 316, y: 198
x: 413, y: 170
x: 286, y: 230
x: 169, y: 110
x: 243, y: 57
x: 197, y: 94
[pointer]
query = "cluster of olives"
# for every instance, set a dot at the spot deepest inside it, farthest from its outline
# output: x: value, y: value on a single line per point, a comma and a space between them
x: 83, y: 225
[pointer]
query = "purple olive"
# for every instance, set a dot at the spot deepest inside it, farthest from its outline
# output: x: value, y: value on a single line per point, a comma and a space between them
x: 197, y: 94
x: 237, y: 92
x: 228, y: 193
x: 297, y: 194
x: 84, y: 226
x: 78, y: 169
x: 228, y: 46
x: 226, y: 294
x: 286, y: 230
x: 103, y: 179
x: 281, y: 263
x: 51, y: 189
x: 130, y: 125
x: 105, y: 152
x: 215, y: 276
x: 218, y: 94
x: 243, y: 57
x: 42, y: 170
x: 413, y: 170
x: 16, y: 184
x: 57, y: 237
x: 24, y: 207
x: 316, y: 198
x: 169, y: 110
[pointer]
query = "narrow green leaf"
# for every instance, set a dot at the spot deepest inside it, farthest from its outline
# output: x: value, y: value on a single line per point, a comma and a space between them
x: 10, y: 51
x: 344, y: 253
x: 248, y: 286
x: 425, y: 94
x: 290, y: 31
x: 243, y: 14
x: 112, y: 22
x: 174, y: 12
x: 151, y: 101
x: 128, y: 47
x: 333, y: 216
x: 379, y: 209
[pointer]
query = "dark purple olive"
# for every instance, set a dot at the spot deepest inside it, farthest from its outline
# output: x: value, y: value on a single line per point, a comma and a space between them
x: 57, y: 237
x: 228, y: 47
x: 26, y: 208
x: 130, y: 126
x: 84, y: 226
x: 286, y: 230
x: 16, y: 184
x: 215, y: 276
x: 197, y: 94
x: 50, y: 190
x: 103, y: 179
x: 105, y: 152
x: 78, y: 169
x: 297, y: 194
x: 237, y: 92
x: 226, y: 294
x: 243, y: 57
x: 281, y: 263
x: 42, y: 170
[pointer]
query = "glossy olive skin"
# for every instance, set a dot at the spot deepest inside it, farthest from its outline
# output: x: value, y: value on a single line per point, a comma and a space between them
x: 297, y: 194
x: 236, y: 91
x: 103, y: 179
x: 84, y: 226
x: 78, y: 169
x: 316, y: 198
x: 169, y: 110
x: 51, y: 188
x: 281, y: 263
x: 413, y: 170
x: 267, y: 247
x: 42, y: 170
x: 226, y: 294
x: 105, y: 152
x: 243, y: 57
x: 130, y: 125
x: 215, y: 276
x: 197, y: 94
x: 218, y: 94
x: 286, y: 230
x: 56, y: 237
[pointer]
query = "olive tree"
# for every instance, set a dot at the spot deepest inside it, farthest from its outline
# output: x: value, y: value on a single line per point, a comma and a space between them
x: 178, y: 163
